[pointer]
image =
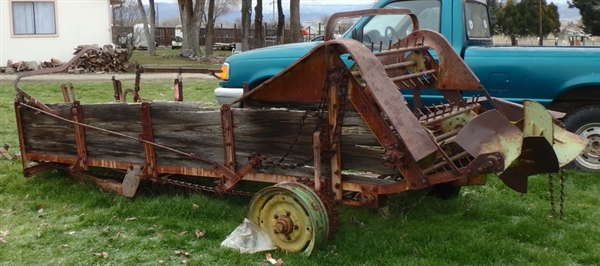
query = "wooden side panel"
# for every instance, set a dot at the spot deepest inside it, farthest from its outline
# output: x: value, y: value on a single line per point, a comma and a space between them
x: 48, y: 135
x: 122, y: 118
x: 193, y: 129
x: 190, y: 128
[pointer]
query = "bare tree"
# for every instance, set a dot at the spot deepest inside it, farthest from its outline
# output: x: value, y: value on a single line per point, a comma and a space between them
x: 127, y: 14
x: 280, y: 23
x: 246, y: 13
x: 210, y: 28
x: 191, y: 13
x: 295, y: 26
x: 259, y: 38
x: 222, y: 7
x: 170, y: 22
x: 149, y: 32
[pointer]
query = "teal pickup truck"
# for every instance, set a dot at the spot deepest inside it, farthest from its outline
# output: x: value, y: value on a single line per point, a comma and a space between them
x: 565, y: 79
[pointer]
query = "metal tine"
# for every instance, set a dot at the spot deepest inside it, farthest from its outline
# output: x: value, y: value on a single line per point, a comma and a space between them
x: 372, y: 46
x: 390, y: 45
x: 425, y: 78
x: 436, y: 79
x: 404, y: 83
x: 419, y: 79
x: 413, y: 83
x: 380, y: 45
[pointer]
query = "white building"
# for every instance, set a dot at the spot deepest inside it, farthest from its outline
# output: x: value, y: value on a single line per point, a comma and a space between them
x: 38, y: 30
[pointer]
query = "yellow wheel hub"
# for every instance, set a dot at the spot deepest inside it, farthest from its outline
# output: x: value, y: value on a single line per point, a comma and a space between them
x: 292, y: 215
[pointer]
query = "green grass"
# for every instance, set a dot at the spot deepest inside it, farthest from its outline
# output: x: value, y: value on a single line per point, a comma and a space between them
x: 49, y: 219
x: 166, y: 57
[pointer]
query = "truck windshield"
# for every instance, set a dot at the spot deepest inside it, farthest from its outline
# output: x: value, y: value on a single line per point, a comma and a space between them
x: 476, y: 21
x: 380, y: 31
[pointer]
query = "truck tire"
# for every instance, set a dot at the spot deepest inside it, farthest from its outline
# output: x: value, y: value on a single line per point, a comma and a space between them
x: 585, y: 122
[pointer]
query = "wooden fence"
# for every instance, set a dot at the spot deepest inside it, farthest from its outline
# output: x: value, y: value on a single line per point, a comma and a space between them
x: 164, y: 35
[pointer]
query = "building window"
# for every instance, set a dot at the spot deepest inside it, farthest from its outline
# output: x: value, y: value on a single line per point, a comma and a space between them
x: 31, y: 18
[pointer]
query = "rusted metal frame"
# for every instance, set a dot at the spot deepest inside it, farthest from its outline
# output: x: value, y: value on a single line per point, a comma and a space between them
x: 22, y: 95
x: 370, y: 115
x: 442, y: 116
x: 230, y: 177
x: 65, y: 93
x: 118, y: 90
x: 228, y: 140
x: 413, y: 75
x: 403, y: 50
x: 229, y: 180
x: 383, y: 94
x: 212, y: 72
x: 82, y: 157
x: 333, y: 19
x: 317, y: 159
x: 445, y: 162
x: 401, y: 185
x: 136, y: 86
x: 72, y: 92
x: 178, y: 90
x: 382, y: 131
x: 224, y: 170
x: 161, y: 169
x: 336, y: 158
x: 148, y: 135
x: 400, y: 65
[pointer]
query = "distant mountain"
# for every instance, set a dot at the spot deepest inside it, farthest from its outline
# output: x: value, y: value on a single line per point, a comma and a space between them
x: 313, y: 14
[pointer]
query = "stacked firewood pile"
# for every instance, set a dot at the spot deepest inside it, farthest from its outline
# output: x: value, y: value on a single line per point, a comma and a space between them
x: 108, y: 58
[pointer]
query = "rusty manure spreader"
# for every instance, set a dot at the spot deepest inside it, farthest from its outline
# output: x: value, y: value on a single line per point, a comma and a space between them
x: 323, y: 133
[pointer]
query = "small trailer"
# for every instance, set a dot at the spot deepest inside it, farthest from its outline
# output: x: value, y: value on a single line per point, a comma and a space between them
x: 321, y: 132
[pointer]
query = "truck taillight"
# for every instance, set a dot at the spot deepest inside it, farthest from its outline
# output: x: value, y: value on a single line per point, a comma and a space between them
x: 224, y: 75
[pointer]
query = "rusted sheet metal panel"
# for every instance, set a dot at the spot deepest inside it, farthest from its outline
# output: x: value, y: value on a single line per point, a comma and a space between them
x: 389, y: 100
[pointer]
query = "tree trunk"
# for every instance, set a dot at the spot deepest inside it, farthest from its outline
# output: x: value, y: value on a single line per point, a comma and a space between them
x: 246, y: 13
x: 280, y: 23
x: 259, y: 38
x: 149, y: 32
x: 295, y: 26
x: 191, y: 17
x: 210, y: 28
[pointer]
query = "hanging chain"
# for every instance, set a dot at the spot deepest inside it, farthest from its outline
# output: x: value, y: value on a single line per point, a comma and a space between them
x: 561, y: 197
x: 338, y: 78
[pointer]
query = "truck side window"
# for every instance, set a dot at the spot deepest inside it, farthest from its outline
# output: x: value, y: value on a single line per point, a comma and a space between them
x: 382, y: 29
x: 476, y: 21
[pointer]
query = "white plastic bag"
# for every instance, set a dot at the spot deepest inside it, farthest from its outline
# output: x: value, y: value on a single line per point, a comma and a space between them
x: 248, y: 238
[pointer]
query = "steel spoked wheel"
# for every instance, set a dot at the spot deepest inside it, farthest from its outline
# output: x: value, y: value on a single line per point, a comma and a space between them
x: 585, y: 122
x: 292, y: 215
x: 590, y: 156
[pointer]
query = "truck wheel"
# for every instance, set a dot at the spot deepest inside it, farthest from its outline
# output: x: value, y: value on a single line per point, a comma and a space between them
x: 585, y: 122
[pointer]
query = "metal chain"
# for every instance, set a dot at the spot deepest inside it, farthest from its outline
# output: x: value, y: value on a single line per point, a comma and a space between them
x: 320, y: 124
x: 561, y: 197
x: 198, y: 187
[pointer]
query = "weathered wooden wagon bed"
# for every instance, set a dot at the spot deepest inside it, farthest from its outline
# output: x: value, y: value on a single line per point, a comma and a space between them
x: 323, y: 132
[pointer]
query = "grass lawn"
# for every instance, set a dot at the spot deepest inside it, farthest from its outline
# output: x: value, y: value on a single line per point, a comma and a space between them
x: 49, y: 219
x: 166, y: 57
